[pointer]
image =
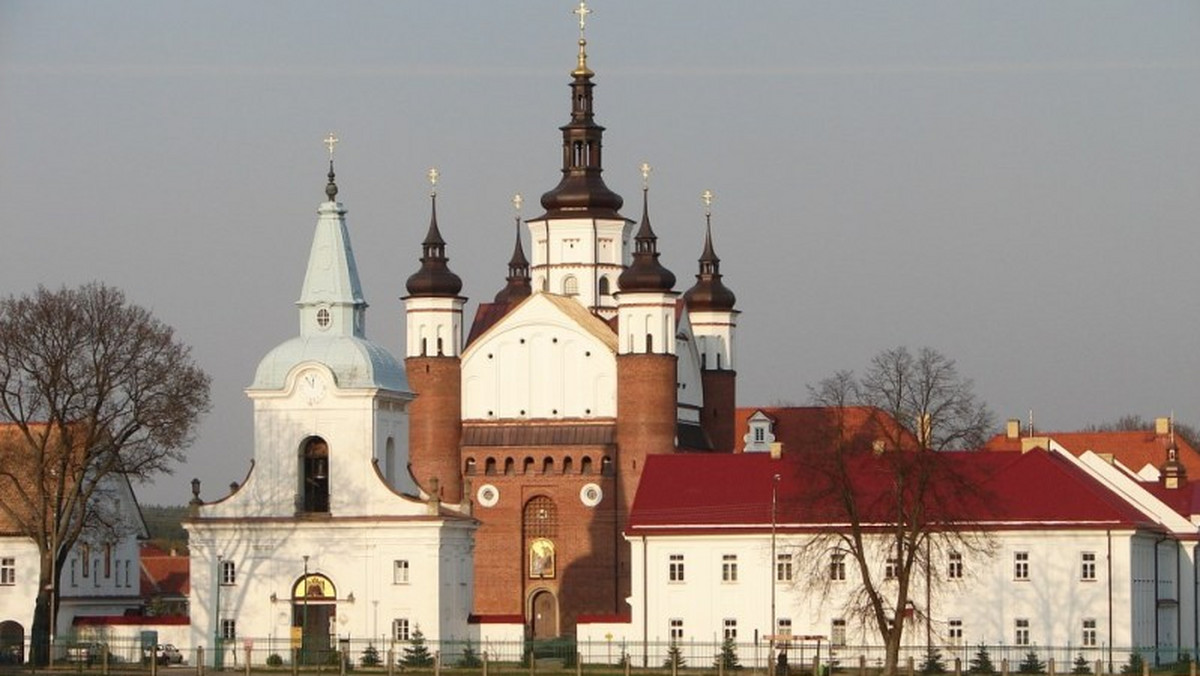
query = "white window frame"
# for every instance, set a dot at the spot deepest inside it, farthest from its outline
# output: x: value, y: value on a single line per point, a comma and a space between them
x: 955, y: 569
x: 400, y: 629
x: 228, y: 573
x: 8, y: 571
x: 783, y: 626
x: 401, y: 571
x: 1021, y: 566
x: 675, y: 568
x: 837, y: 566
x: 954, y: 631
x: 783, y: 568
x: 675, y: 625
x: 228, y: 628
x: 1087, y: 566
x: 729, y: 568
x: 1089, y: 632
x: 891, y: 568
x: 1021, y: 631
x: 729, y: 629
x: 837, y: 632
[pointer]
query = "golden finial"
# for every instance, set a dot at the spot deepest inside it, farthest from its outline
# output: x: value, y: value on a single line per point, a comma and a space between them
x: 517, y: 201
x: 646, y: 169
x: 433, y: 179
x: 582, y: 11
x: 707, y: 197
x: 330, y: 142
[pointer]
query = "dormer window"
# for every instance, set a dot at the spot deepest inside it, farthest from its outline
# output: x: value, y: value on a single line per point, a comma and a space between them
x: 761, y: 433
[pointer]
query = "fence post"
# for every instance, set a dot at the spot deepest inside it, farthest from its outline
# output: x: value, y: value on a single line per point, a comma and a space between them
x: 578, y: 663
x: 1004, y: 667
x: 104, y: 658
x: 628, y: 659
x: 720, y: 664
x: 1146, y: 667
x: 199, y: 660
x: 1192, y: 667
x: 1099, y: 671
x: 437, y: 663
x: 674, y: 666
x: 816, y: 670
x: 1050, y: 666
x: 485, y: 661
x: 343, y: 656
x: 391, y: 658
x: 295, y: 661
x: 957, y: 666
x: 911, y: 666
x: 862, y: 665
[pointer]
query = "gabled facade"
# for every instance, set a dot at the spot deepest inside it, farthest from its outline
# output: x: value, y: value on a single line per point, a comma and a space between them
x: 327, y: 537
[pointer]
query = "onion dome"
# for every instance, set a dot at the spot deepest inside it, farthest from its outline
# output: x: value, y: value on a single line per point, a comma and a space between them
x: 645, y: 273
x: 518, y: 286
x: 434, y: 278
x: 709, y: 293
x: 581, y: 191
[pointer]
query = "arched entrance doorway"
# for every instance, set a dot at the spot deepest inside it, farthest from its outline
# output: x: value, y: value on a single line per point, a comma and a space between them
x: 12, y: 643
x: 314, y: 611
x: 543, y: 611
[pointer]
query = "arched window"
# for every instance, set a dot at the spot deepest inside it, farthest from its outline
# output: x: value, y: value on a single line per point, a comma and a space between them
x: 603, y: 286
x: 314, y: 459
x: 606, y: 467
x: 527, y: 466
x: 470, y: 469
x: 389, y: 460
x: 548, y: 466
x: 649, y: 343
x: 567, y: 466
x: 541, y: 518
x: 586, y: 465
x: 570, y: 286
x: 489, y: 466
x: 509, y: 466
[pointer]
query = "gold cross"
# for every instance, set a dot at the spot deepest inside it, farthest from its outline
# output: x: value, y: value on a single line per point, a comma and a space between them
x: 646, y: 169
x: 433, y: 178
x: 330, y: 142
x: 583, y: 11
x: 517, y: 200
x: 707, y: 198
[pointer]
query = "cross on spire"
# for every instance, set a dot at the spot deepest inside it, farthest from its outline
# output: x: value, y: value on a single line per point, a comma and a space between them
x: 330, y: 142
x: 433, y: 179
x: 517, y: 201
x: 707, y: 197
x: 582, y: 11
x: 646, y: 169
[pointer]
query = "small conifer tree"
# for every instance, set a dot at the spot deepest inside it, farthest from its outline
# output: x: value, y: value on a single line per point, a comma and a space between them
x: 370, y: 656
x: 933, y: 663
x: 417, y: 654
x: 1080, y: 665
x: 728, y: 657
x: 1134, y: 665
x: 470, y: 658
x: 674, y: 657
x: 981, y: 662
x: 1032, y: 664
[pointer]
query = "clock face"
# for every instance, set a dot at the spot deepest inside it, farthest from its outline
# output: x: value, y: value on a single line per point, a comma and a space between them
x: 312, y: 387
x: 488, y: 495
x: 591, y: 495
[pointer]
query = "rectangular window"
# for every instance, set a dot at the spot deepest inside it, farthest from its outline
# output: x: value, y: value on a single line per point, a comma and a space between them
x: 676, y: 629
x: 955, y: 632
x: 128, y: 565
x: 8, y: 571
x: 96, y: 570
x: 400, y: 628
x: 837, y: 633
x: 783, y: 567
x: 228, y: 629
x: 74, y: 567
x: 1087, y: 570
x: 1021, y: 565
x: 729, y: 568
x: 891, y: 568
x: 730, y: 629
x: 956, y: 566
x: 783, y: 626
x: 1022, y: 634
x: 400, y: 571
x: 228, y: 573
x: 675, y: 572
x: 87, y: 557
x: 1089, y: 632
x: 108, y: 561
x: 837, y: 566
x: 760, y: 435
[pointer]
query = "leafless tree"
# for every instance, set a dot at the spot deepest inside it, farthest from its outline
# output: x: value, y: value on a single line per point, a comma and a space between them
x: 894, y: 508
x: 93, y: 389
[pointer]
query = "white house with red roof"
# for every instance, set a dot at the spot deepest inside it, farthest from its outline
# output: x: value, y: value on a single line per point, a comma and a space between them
x: 1081, y: 554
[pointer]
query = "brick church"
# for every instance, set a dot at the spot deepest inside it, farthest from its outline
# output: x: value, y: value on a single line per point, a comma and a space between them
x: 543, y: 410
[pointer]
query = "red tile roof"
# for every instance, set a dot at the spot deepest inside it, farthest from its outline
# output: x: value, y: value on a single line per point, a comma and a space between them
x: 804, y: 429
x: 164, y: 573
x: 1134, y: 449
x: 732, y: 493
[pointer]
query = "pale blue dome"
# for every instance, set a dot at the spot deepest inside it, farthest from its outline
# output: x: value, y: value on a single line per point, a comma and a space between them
x: 355, y: 363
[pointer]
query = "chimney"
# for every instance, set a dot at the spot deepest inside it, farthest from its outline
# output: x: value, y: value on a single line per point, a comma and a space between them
x: 1162, y: 427
x: 1012, y: 429
x: 776, y: 450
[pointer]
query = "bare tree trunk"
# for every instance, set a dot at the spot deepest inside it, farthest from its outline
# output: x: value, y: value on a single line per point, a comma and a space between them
x: 39, y: 632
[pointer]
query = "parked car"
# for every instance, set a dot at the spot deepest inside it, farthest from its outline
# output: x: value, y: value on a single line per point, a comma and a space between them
x: 85, y: 653
x: 167, y: 653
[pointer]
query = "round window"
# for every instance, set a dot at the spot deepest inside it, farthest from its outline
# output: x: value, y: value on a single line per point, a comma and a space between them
x: 488, y: 495
x: 323, y: 318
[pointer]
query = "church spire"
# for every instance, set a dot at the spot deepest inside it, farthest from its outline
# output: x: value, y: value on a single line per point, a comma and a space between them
x: 646, y: 273
x: 709, y: 292
x: 434, y: 278
x: 581, y: 191
x: 518, y: 286
x: 331, y: 299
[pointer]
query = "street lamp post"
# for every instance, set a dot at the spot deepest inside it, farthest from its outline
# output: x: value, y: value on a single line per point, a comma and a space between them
x: 217, y: 617
x: 772, y: 573
x: 304, y: 614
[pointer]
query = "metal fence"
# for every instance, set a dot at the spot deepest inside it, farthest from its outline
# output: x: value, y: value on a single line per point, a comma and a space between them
x: 713, y: 656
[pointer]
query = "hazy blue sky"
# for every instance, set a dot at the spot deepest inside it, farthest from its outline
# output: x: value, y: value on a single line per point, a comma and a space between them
x: 1016, y: 184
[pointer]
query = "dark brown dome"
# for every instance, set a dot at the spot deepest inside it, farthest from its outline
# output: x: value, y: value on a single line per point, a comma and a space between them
x: 434, y: 278
x: 709, y: 292
x: 581, y: 191
x: 646, y: 273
